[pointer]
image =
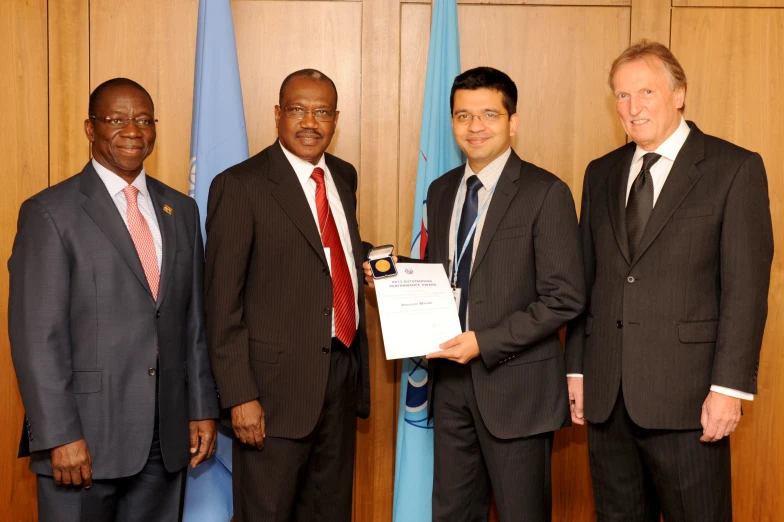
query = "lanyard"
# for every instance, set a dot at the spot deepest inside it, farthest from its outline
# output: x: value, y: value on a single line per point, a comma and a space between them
x: 470, y: 234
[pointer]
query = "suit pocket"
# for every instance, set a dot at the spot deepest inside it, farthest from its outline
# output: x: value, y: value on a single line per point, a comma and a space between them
x: 540, y: 353
x: 509, y: 233
x: 262, y: 352
x: 693, y: 212
x: 86, y: 382
x: 698, y: 331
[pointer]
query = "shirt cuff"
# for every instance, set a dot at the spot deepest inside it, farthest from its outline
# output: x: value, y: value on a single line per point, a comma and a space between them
x: 580, y: 375
x: 732, y: 393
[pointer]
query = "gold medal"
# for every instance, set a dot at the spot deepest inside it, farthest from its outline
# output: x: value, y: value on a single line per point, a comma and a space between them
x: 382, y: 265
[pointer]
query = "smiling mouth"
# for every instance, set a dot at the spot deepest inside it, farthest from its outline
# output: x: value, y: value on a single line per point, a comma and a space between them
x: 309, y: 138
x: 640, y: 122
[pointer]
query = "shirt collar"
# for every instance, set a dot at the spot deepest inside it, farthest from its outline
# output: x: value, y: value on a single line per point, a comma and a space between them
x: 303, y: 168
x: 115, y: 184
x: 492, y: 171
x: 671, y: 146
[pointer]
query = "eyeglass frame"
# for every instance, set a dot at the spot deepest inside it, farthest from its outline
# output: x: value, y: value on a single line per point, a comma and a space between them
x: 285, y: 111
x: 481, y: 117
x: 125, y: 121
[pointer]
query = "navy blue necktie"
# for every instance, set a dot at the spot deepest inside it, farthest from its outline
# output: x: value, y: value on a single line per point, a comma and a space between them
x: 467, y: 218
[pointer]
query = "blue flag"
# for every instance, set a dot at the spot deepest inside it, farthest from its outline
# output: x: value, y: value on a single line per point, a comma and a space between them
x: 438, y: 153
x: 218, y: 141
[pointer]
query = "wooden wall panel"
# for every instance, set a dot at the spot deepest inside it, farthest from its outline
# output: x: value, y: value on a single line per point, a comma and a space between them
x: 271, y: 43
x: 153, y: 43
x: 651, y: 20
x: 24, y: 149
x: 728, y: 3
x: 69, y: 87
x: 734, y: 92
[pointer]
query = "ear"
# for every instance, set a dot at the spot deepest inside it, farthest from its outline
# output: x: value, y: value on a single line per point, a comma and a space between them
x: 335, y: 120
x: 514, y: 120
x: 277, y: 116
x: 680, y: 97
x: 89, y: 130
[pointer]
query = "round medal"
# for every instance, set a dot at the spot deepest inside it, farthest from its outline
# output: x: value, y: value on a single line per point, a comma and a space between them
x: 382, y: 265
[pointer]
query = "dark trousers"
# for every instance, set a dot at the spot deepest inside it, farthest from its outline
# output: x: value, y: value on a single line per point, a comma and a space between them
x: 308, y: 479
x: 470, y: 463
x: 152, y: 495
x: 639, y: 473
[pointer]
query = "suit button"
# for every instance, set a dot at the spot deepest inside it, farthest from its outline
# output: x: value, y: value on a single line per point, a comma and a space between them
x: 325, y: 272
x: 327, y: 311
x: 630, y: 279
x: 151, y: 372
x: 619, y: 324
x: 157, y: 314
x: 325, y: 349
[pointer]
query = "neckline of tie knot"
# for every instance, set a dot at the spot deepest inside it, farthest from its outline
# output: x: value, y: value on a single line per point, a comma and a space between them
x: 318, y: 175
x: 649, y: 159
x: 473, y: 183
x: 131, y: 192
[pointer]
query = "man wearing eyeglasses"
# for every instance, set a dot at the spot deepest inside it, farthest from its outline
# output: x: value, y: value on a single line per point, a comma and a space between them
x: 506, y: 232
x: 107, y: 331
x: 285, y: 314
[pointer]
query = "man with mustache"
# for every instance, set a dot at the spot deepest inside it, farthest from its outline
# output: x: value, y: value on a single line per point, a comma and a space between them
x: 285, y: 314
x: 107, y: 328
x: 506, y: 233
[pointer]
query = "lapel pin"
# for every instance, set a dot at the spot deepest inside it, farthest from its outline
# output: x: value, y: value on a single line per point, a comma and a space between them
x: 167, y: 209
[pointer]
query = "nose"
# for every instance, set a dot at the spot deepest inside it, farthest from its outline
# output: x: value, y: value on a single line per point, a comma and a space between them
x: 476, y: 124
x: 634, y: 105
x: 131, y: 129
x: 309, y: 121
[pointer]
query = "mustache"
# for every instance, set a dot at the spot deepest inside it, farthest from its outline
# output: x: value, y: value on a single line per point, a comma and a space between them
x: 309, y: 134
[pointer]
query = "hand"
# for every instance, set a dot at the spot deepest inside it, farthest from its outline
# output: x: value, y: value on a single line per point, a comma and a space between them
x: 369, y: 272
x: 247, y: 420
x: 575, y: 385
x: 460, y: 349
x: 720, y: 416
x: 71, y: 464
x: 206, y: 431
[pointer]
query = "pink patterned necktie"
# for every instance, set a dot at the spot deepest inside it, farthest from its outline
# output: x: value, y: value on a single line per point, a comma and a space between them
x: 342, y: 288
x: 142, y: 240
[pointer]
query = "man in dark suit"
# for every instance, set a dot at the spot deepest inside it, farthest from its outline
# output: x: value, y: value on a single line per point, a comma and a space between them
x: 285, y: 314
x: 499, y: 388
x: 678, y: 246
x: 107, y: 331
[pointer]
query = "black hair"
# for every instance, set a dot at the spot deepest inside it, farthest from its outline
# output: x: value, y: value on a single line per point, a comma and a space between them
x: 97, y: 94
x: 487, y: 78
x: 307, y: 73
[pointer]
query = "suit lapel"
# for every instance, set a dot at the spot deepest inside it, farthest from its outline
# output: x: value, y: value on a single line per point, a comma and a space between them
x: 444, y: 216
x: 504, y: 193
x: 291, y: 198
x: 682, y: 177
x: 617, y: 182
x: 101, y: 208
x: 166, y: 223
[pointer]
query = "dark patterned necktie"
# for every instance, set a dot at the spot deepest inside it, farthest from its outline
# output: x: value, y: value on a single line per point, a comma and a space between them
x: 640, y: 204
x: 467, y: 218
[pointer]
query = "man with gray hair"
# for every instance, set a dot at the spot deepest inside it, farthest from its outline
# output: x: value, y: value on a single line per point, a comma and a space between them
x: 678, y: 246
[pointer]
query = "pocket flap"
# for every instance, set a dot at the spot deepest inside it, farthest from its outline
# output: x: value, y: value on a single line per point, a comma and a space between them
x: 698, y: 331
x: 693, y: 212
x: 540, y: 353
x: 508, y: 233
x: 86, y: 382
x: 262, y: 352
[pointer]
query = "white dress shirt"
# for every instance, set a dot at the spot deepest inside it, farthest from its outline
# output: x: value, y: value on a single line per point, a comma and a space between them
x: 488, y: 176
x: 659, y: 171
x: 304, y: 169
x: 115, y: 185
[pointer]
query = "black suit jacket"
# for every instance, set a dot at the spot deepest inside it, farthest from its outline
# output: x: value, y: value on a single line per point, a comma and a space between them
x: 690, y: 310
x: 84, y: 328
x: 269, y: 292
x: 526, y: 283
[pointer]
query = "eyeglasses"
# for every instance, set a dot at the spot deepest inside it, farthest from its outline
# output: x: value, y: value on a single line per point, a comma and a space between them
x: 464, y: 118
x: 114, y: 122
x: 299, y: 113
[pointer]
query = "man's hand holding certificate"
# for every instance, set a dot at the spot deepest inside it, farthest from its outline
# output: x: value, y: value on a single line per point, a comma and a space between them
x: 417, y: 310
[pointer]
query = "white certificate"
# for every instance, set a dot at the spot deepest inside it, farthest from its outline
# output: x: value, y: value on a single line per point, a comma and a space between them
x: 417, y: 310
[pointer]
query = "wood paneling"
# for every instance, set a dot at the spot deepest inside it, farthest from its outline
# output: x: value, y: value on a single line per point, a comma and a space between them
x: 734, y: 92
x: 651, y: 20
x: 153, y: 43
x: 275, y: 38
x: 728, y: 3
x: 24, y: 149
x: 69, y: 87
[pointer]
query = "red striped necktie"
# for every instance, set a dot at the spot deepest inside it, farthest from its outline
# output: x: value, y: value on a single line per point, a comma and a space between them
x: 142, y: 240
x: 342, y: 288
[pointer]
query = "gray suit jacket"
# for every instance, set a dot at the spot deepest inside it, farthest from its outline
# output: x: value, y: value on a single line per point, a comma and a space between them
x: 690, y: 310
x: 84, y: 328
x: 526, y: 283
x: 269, y: 292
